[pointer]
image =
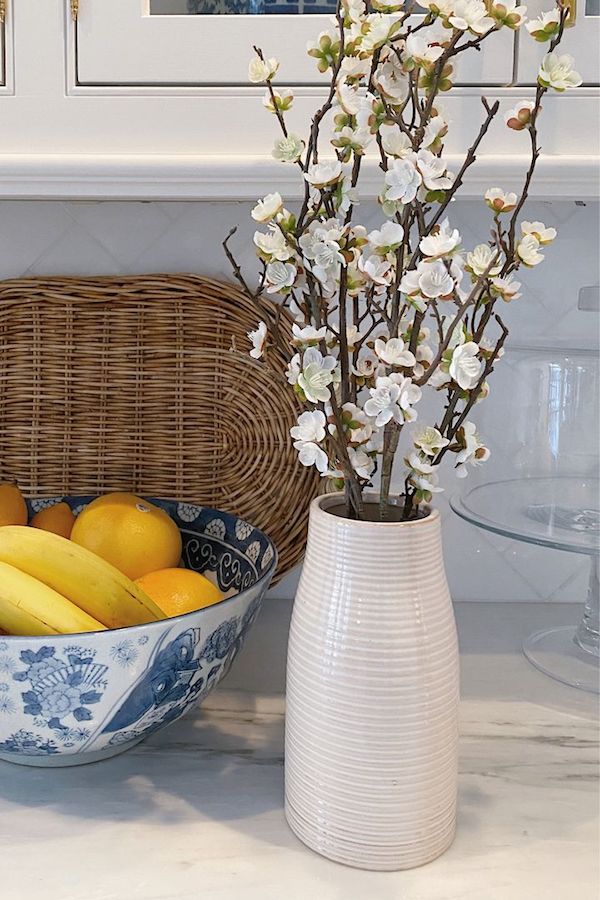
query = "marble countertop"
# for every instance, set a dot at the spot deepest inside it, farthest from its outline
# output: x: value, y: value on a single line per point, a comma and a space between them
x: 196, y: 811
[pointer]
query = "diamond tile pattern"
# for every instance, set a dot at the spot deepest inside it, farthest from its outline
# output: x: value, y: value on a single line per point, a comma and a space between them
x: 82, y: 238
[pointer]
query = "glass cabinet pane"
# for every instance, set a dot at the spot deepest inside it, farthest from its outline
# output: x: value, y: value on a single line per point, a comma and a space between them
x: 241, y: 7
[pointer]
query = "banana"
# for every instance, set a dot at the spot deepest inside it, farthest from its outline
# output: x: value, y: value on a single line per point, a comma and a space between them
x: 79, y: 575
x: 28, y: 607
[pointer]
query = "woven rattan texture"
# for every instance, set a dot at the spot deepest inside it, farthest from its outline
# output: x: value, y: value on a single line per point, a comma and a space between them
x: 131, y: 383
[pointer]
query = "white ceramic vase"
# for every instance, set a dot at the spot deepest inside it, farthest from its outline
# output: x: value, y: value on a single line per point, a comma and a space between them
x: 372, y: 693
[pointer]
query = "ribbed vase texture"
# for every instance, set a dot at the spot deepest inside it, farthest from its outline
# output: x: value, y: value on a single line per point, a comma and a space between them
x: 372, y: 693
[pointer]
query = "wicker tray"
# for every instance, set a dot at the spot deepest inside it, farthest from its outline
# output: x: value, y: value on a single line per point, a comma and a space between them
x: 131, y: 383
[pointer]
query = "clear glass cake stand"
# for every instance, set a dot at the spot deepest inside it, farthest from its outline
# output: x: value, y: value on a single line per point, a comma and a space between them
x: 562, y: 513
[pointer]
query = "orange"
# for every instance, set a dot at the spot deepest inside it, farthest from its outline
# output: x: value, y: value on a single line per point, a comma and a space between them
x: 13, y: 509
x: 58, y: 519
x: 130, y: 533
x: 179, y: 591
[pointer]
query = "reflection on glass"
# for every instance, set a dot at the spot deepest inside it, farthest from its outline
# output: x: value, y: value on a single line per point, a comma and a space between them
x: 241, y: 7
x: 592, y: 7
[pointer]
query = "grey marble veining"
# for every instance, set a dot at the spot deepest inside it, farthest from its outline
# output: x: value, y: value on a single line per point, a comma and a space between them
x: 195, y: 813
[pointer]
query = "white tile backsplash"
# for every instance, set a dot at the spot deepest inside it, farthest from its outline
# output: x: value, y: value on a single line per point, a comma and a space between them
x: 81, y: 238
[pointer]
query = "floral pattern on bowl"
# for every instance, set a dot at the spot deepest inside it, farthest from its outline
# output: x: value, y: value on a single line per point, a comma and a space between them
x: 73, y: 699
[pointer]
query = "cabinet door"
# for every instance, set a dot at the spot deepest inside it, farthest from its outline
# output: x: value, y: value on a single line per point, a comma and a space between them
x: 582, y: 41
x: 209, y: 42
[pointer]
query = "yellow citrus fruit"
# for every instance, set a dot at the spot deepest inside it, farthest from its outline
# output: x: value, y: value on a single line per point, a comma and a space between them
x: 133, y: 535
x: 58, y: 519
x: 13, y: 509
x: 179, y: 591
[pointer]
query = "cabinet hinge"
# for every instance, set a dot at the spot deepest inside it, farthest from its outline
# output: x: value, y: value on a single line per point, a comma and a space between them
x: 571, y: 18
x: 74, y: 9
x: 2, y: 10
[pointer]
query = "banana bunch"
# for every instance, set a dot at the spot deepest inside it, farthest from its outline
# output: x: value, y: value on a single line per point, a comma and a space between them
x: 49, y: 585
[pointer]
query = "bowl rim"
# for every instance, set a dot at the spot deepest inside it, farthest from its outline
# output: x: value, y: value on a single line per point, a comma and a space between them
x: 259, y: 584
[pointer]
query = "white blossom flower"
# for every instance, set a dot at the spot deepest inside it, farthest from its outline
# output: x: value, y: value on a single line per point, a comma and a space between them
x: 470, y: 15
x: 465, y: 367
x: 261, y: 70
x: 310, y: 427
x: 439, y: 7
x: 539, y: 231
x: 325, y: 49
x: 416, y: 51
x: 440, y: 242
x: 353, y: 337
x: 420, y: 464
x: 320, y: 247
x: 430, y: 441
x: 473, y: 451
x: 506, y: 288
x: 309, y: 335
x: 267, y: 208
x: 258, y: 339
x: 379, y: 271
x: 316, y: 375
x: 545, y: 27
x: 431, y: 279
x: 528, y: 250
x: 433, y: 171
x: 355, y: 139
x: 348, y: 98
x: 423, y: 353
x: 280, y: 277
x: 481, y: 259
x: 395, y: 142
x: 393, y: 352
x: 499, y: 201
x: 354, y: 68
x: 278, y: 100
x: 403, y: 180
x: 391, y: 82
x: 519, y: 116
x: 322, y: 174
x: 389, y: 237
x: 361, y: 462
x: 439, y: 379
x: 375, y: 442
x: 508, y: 13
x: 557, y: 72
x: 458, y: 333
x: 356, y: 421
x: 367, y: 364
x: 426, y: 483
x: 273, y: 245
x: 288, y: 148
x: 310, y: 454
x: 380, y: 28
x: 293, y: 370
x: 435, y: 130
x: 392, y: 398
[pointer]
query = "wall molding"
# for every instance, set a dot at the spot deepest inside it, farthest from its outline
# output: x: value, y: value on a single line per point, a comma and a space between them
x: 155, y: 177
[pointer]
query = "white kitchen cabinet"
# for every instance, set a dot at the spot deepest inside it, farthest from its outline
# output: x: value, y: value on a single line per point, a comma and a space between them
x: 82, y: 117
x: 135, y: 42
x: 582, y: 41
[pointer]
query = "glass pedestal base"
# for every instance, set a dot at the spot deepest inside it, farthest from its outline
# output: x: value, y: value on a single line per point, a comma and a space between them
x: 555, y: 652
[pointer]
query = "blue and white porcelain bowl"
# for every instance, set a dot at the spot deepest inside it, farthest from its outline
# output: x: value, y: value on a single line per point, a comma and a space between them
x: 79, y: 698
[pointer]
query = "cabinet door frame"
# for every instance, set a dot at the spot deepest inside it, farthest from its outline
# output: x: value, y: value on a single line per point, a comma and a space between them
x: 133, y: 54
x: 7, y: 78
x: 582, y: 41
